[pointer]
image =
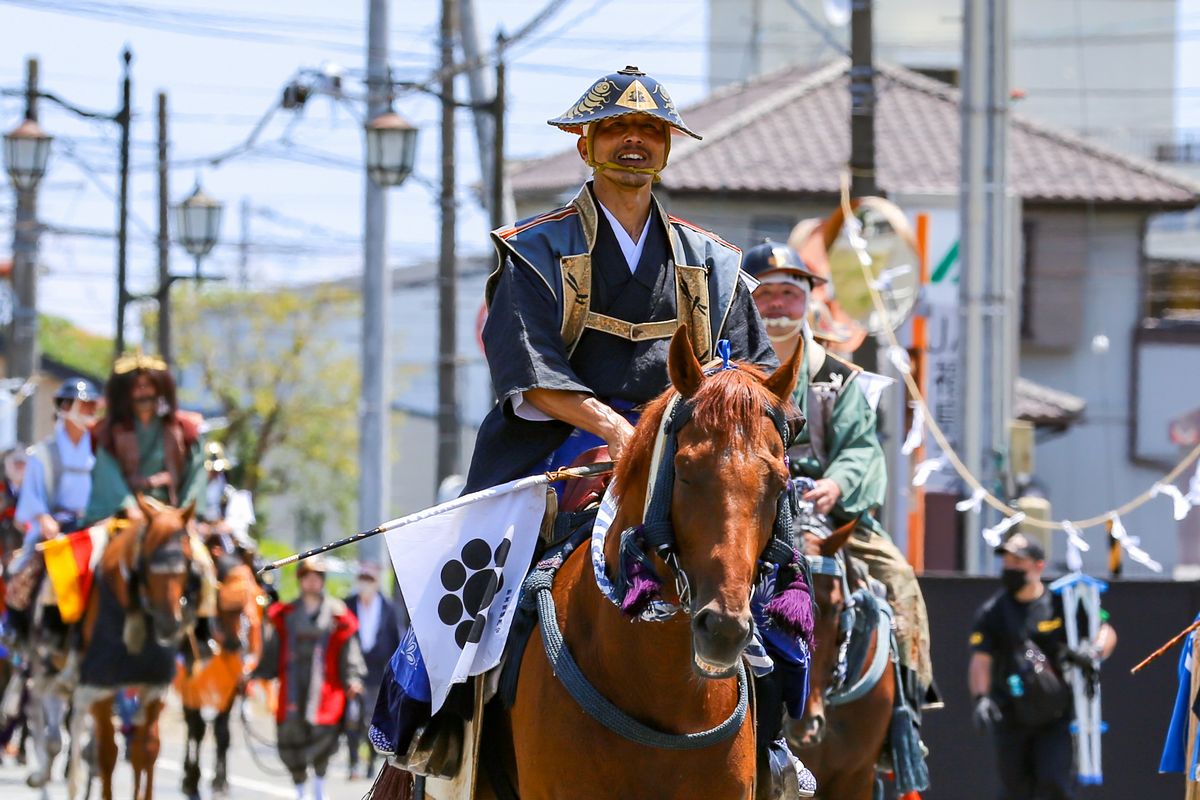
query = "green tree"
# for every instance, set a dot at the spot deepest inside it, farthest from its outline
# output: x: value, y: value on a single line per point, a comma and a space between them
x: 286, y: 386
x: 74, y: 347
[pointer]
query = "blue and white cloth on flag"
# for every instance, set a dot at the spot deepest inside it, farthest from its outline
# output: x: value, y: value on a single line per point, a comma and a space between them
x: 460, y: 572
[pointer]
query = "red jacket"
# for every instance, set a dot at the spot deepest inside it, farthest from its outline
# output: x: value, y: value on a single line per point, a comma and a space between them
x: 332, y: 702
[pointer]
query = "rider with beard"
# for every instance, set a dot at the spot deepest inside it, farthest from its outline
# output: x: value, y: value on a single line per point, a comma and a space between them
x: 145, y: 443
x: 1034, y: 760
x: 838, y: 452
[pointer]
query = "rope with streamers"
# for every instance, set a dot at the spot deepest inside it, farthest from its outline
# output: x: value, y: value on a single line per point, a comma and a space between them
x: 978, y: 491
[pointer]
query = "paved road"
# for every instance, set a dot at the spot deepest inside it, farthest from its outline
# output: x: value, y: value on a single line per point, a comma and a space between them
x: 253, y: 773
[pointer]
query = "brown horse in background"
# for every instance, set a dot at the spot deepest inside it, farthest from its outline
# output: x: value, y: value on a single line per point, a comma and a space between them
x: 677, y: 675
x: 840, y: 743
x: 217, y: 661
x: 149, y: 575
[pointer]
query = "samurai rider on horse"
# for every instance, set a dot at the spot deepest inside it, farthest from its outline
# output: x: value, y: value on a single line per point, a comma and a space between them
x: 838, y: 463
x: 582, y: 307
x: 52, y: 499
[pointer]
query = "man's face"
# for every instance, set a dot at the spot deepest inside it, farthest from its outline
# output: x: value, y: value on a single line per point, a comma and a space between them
x: 145, y: 395
x: 781, y: 301
x: 312, y: 584
x: 638, y: 141
x: 78, y: 412
x: 1032, y: 569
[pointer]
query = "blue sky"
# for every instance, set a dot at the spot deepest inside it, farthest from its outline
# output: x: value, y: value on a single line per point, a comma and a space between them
x: 219, y: 84
x: 225, y: 64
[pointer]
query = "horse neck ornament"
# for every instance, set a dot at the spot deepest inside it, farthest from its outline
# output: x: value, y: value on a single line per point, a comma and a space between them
x: 636, y: 588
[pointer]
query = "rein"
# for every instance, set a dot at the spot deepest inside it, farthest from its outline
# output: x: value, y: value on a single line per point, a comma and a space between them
x: 636, y: 586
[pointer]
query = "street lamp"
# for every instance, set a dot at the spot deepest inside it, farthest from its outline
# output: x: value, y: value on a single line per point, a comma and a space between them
x: 391, y: 149
x: 198, y: 224
x: 26, y: 150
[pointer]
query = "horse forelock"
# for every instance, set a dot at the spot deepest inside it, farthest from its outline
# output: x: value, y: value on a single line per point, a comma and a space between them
x: 729, y: 403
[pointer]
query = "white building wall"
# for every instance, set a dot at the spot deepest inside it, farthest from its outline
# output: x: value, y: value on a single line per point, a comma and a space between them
x: 1105, y: 68
x: 1088, y: 470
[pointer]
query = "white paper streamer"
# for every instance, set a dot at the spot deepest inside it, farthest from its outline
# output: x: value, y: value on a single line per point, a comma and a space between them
x: 884, y: 281
x: 1074, y: 557
x: 1075, y: 536
x: 1193, y: 495
x: 1182, y: 504
x: 972, y: 503
x: 916, y: 433
x: 927, y: 468
x: 995, y: 534
x: 900, y: 360
x: 854, y: 237
x: 1131, y: 545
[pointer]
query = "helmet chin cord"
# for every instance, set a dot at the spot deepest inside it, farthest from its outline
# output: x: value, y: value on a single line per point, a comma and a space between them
x: 601, y: 166
x: 794, y: 329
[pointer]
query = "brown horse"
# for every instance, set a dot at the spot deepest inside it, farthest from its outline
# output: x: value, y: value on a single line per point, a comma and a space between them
x: 840, y: 743
x: 675, y: 676
x: 139, y: 611
x: 217, y: 661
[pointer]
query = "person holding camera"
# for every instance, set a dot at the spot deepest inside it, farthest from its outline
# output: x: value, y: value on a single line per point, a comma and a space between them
x: 1019, y: 653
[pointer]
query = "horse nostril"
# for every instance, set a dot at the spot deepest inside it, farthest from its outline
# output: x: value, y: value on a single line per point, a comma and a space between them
x: 722, y: 628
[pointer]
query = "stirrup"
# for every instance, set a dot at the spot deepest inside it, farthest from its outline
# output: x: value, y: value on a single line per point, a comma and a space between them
x: 436, y: 749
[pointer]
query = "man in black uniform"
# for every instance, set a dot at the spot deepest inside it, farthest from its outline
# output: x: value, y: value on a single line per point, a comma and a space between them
x: 1017, y: 631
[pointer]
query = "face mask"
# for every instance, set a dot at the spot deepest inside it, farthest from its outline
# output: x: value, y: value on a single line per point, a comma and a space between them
x: 1014, y: 580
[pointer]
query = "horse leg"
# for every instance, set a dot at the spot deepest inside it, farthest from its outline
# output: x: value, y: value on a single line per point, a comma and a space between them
x: 220, y: 783
x: 144, y: 750
x: 191, y: 756
x: 106, y: 745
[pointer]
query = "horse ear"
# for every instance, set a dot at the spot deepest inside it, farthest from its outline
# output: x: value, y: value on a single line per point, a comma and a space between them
x: 145, y: 504
x: 189, y: 511
x: 783, y: 381
x: 682, y: 365
x: 837, y: 540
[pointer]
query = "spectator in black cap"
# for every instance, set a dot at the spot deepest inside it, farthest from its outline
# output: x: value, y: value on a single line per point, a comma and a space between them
x: 1018, y: 651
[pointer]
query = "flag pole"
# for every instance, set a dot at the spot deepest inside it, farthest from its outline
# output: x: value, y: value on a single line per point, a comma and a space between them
x: 573, y: 473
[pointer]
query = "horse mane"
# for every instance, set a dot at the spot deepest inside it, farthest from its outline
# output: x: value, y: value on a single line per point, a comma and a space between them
x: 727, y: 401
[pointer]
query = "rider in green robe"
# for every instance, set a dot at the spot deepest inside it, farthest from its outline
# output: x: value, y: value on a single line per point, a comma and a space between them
x: 145, y: 443
x: 838, y: 449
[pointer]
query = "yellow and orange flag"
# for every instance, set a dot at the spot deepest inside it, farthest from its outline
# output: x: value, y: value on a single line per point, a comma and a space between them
x: 71, y: 562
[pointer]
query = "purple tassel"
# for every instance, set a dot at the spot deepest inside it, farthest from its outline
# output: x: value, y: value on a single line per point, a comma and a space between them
x: 643, y: 585
x: 792, y: 608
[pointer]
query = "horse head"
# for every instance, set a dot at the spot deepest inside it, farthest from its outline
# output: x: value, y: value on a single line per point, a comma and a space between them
x: 156, y: 571
x: 829, y: 590
x: 725, y: 480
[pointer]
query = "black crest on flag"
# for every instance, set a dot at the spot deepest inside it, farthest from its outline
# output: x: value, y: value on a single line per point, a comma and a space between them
x: 471, y: 582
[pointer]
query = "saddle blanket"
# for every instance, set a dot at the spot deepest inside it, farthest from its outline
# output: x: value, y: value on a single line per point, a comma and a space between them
x: 108, y: 663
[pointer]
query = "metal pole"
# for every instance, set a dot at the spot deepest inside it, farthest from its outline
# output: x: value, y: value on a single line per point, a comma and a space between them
x: 25, y: 255
x: 862, y: 101
x: 1001, y: 310
x: 498, y: 111
x: 374, y: 441
x: 164, y: 237
x: 448, y: 431
x: 124, y: 117
x: 973, y: 250
x: 478, y: 92
x: 244, y: 246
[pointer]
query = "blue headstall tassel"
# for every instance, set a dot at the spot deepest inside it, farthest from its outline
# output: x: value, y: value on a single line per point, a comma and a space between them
x: 723, y: 350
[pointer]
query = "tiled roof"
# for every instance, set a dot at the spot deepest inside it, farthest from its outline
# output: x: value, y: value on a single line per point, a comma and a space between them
x: 1046, y: 407
x: 788, y: 133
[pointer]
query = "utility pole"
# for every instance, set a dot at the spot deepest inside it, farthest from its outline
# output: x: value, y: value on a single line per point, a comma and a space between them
x: 124, y: 118
x: 244, y: 246
x: 499, y: 183
x: 374, y: 436
x: 862, y: 100
x: 985, y: 247
x: 448, y: 428
x: 485, y: 125
x: 164, y: 237
x: 24, y: 353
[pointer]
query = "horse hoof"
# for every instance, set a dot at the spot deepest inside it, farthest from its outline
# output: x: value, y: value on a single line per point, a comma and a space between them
x: 36, y: 780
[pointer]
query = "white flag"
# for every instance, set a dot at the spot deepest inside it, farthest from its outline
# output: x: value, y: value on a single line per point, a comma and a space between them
x: 460, y: 572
